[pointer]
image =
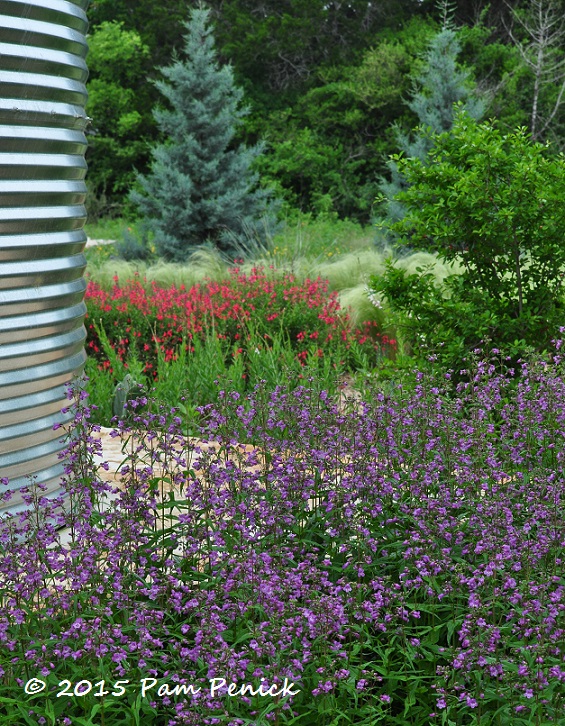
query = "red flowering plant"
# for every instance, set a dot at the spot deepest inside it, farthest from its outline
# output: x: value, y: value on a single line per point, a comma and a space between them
x: 158, y: 321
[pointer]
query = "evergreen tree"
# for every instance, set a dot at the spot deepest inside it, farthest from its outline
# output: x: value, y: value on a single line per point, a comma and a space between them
x: 201, y: 187
x: 441, y: 85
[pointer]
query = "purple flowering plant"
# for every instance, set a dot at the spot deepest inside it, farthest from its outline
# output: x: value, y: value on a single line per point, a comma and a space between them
x: 400, y: 562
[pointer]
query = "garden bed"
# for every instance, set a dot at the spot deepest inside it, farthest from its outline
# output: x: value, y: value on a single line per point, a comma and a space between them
x: 400, y: 562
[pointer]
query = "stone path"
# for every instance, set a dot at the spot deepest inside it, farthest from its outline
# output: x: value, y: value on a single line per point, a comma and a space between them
x: 115, y: 451
x: 114, y: 454
x: 112, y: 446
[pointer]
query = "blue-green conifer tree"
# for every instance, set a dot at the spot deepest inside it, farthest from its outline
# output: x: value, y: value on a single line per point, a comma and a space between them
x: 441, y: 84
x: 201, y: 187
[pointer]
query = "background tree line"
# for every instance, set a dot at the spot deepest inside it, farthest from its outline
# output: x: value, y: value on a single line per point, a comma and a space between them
x: 328, y: 85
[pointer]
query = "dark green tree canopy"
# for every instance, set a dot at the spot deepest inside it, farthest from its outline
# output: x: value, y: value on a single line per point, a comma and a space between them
x: 280, y: 44
x: 159, y: 24
x: 325, y: 82
x: 121, y: 118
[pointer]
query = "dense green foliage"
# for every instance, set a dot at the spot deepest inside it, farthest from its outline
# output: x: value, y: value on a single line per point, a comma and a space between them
x: 326, y: 83
x: 120, y: 112
x: 328, y: 147
x: 494, y: 202
x: 201, y: 187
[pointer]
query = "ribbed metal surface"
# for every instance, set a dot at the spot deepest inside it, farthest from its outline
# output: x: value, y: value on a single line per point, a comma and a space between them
x: 42, y: 191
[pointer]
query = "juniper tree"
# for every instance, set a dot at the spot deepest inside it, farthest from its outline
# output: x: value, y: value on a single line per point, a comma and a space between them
x: 441, y: 84
x: 201, y: 187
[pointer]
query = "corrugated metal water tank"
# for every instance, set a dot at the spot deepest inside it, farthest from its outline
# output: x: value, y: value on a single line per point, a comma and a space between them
x: 42, y: 192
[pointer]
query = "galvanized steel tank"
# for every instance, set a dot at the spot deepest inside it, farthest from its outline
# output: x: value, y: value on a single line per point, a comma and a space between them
x: 42, y: 192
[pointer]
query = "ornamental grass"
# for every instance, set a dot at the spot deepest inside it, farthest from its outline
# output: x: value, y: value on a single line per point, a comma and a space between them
x: 401, y: 563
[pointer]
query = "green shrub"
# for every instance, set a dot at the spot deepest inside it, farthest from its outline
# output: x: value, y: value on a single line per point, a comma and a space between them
x: 492, y: 202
